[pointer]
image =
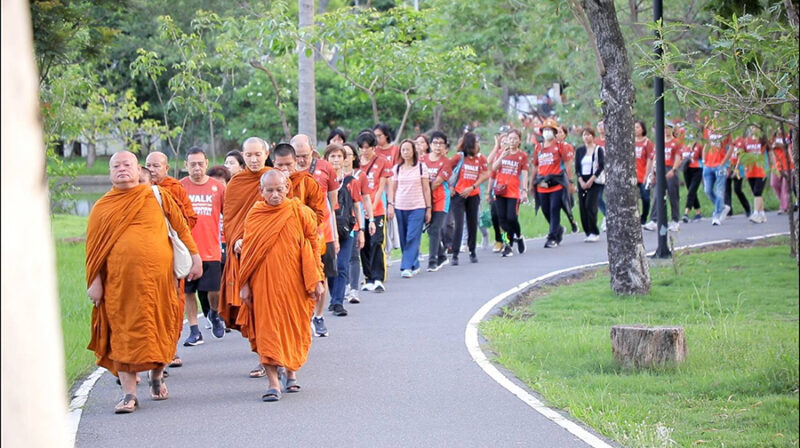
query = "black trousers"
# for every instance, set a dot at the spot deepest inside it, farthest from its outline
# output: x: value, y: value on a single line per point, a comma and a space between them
x: 587, y: 204
x: 373, y: 258
x: 693, y: 177
x: 551, y: 207
x: 498, y: 234
x: 507, y: 214
x: 672, y: 191
x: 644, y: 193
x: 462, y: 208
x: 435, y: 231
x: 737, y: 188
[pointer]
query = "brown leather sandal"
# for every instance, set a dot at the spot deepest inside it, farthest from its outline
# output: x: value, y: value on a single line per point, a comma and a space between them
x: 158, y: 389
x: 128, y: 404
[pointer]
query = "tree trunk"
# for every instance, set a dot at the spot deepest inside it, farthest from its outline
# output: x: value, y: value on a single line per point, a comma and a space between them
x: 639, y: 346
x: 211, y: 139
x: 374, y: 103
x: 438, y: 112
x: 627, y: 258
x: 793, y: 178
x: 91, y: 154
x: 306, y: 92
x: 403, y: 122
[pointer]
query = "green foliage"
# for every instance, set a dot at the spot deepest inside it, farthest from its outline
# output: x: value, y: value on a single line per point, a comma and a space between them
x: 742, y: 366
x: 60, y: 179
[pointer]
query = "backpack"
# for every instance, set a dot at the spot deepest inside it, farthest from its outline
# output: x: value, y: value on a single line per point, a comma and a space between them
x: 345, y: 219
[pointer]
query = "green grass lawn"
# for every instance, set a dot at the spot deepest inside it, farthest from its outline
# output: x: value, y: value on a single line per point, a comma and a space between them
x: 739, y: 385
x: 76, y: 308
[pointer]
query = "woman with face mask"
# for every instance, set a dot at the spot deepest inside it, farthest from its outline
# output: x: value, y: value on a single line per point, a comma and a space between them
x: 549, y: 163
x: 511, y: 189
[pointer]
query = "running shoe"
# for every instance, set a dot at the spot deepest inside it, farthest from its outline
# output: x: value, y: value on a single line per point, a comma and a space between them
x: 550, y: 244
x: 338, y: 310
x: 432, y: 268
x: 697, y: 217
x: 508, y: 251
x: 686, y: 218
x: 415, y: 271
x: 193, y: 339
x: 755, y: 218
x: 561, y: 231
x: 674, y: 226
x: 217, y: 325
x: 592, y: 238
x: 208, y: 324
x: 368, y: 286
x: 454, y: 261
x: 319, y: 327
x: 715, y: 222
x: 725, y: 211
x: 473, y: 257
x: 521, y: 244
x: 406, y: 273
x: 498, y: 247
x: 650, y: 226
x: 379, y: 286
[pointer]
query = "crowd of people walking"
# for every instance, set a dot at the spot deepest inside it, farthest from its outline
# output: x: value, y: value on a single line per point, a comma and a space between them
x: 276, y: 234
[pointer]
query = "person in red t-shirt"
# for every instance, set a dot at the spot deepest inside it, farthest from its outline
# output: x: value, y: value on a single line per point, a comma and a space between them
x: 755, y: 145
x: 439, y: 172
x: 510, y: 189
x: 547, y: 175
x: 207, y: 196
x: 692, y: 176
x: 673, y: 153
x: 782, y: 163
x: 384, y: 136
x: 645, y: 155
x: 472, y: 170
x: 733, y: 183
x: 376, y: 171
x: 716, y: 154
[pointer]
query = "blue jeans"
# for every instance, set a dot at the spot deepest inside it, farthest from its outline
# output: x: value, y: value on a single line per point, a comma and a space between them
x: 714, y: 186
x: 339, y: 283
x: 409, y: 225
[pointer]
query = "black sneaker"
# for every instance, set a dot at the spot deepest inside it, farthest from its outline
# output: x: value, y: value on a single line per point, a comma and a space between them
x: 574, y: 226
x: 338, y: 310
x: 473, y: 257
x: 454, y: 261
x: 550, y: 244
x: 507, y: 251
x: 685, y: 218
x: 319, y: 327
x: 330, y: 307
x: 521, y: 245
x: 561, y: 231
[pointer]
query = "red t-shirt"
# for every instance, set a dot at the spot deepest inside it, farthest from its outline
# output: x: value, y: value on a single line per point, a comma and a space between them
x: 672, y: 151
x: 547, y: 161
x: 373, y: 171
x: 207, y: 200
x: 471, y: 169
x: 645, y: 150
x: 753, y: 146
x: 600, y: 141
x: 569, y: 151
x: 325, y: 176
x: 737, y: 146
x: 693, y: 153
x: 508, y: 173
x: 779, y: 150
x: 717, y: 147
x: 390, y: 153
x: 439, y: 168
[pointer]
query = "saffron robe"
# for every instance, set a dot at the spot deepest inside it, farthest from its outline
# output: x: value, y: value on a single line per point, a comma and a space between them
x: 304, y: 187
x: 241, y: 193
x: 133, y: 328
x: 281, y: 261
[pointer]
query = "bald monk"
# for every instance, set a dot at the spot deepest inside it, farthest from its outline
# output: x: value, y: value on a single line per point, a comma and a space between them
x: 325, y: 175
x: 301, y: 184
x: 136, y: 304
x: 241, y: 194
x: 281, y: 279
x: 158, y: 164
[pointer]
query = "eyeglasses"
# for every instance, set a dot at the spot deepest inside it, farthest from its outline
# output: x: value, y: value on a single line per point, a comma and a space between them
x: 438, y: 142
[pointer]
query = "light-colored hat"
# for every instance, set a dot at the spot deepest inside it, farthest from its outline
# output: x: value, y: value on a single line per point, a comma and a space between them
x: 550, y: 123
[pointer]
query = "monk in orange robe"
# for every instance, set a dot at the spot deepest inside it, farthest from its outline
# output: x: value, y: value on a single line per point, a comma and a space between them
x: 301, y: 184
x: 131, y: 281
x: 281, y: 280
x: 158, y: 164
x: 241, y: 193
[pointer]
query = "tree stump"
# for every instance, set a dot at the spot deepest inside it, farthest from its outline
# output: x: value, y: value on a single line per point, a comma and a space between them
x: 640, y: 346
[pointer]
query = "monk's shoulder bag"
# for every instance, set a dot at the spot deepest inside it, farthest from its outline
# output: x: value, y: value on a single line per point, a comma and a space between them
x: 181, y: 258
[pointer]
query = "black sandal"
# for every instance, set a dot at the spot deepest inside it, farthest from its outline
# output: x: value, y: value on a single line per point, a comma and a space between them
x: 156, y: 385
x: 124, y: 407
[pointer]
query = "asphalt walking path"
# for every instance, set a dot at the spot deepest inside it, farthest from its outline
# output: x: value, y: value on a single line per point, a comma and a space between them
x: 394, y: 372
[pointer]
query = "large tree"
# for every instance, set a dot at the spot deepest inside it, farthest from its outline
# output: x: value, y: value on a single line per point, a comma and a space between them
x: 306, y: 90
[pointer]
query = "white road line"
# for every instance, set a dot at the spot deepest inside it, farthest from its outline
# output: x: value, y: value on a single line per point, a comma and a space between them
x: 472, y: 342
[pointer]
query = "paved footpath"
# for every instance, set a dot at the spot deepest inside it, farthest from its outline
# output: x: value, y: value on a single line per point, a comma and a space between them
x: 394, y: 373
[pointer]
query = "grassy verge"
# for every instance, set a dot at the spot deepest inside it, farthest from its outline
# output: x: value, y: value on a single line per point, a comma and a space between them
x: 76, y: 309
x: 739, y: 386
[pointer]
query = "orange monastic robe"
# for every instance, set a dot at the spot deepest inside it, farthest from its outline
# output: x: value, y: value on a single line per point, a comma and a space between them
x: 241, y: 193
x: 180, y: 196
x: 303, y: 187
x: 134, y: 329
x: 281, y: 261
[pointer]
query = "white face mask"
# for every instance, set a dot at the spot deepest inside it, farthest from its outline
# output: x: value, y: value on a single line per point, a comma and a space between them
x: 548, y: 134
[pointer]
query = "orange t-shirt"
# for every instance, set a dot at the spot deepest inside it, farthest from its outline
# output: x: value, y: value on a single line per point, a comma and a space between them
x: 207, y: 200
x: 693, y: 153
x: 373, y: 172
x: 779, y: 149
x: 471, y: 169
x: 672, y: 151
x: 511, y: 166
x: 717, y: 148
x: 645, y: 150
x: 754, y: 146
x: 547, y: 161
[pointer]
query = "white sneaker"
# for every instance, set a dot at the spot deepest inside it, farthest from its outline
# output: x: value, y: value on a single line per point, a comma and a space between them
x: 755, y: 217
x: 415, y: 272
x: 650, y: 226
x: 592, y: 238
x: 725, y: 211
x: 674, y: 226
x: 368, y: 287
x: 763, y: 217
x: 378, y: 286
x: 406, y: 273
x: 603, y: 226
x: 715, y: 222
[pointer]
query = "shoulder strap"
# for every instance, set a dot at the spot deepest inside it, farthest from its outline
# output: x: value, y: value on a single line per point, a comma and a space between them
x: 158, y: 197
x: 313, y: 166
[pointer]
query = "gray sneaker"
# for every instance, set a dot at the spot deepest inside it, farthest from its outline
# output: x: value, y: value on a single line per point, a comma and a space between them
x: 319, y: 327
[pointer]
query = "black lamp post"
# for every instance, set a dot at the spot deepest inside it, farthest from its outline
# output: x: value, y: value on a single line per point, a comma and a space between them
x: 661, y: 183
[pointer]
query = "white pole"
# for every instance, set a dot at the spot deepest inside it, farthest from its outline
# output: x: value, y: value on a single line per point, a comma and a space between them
x: 34, y: 407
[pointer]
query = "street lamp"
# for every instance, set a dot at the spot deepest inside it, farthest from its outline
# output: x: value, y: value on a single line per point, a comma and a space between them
x: 661, y: 183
